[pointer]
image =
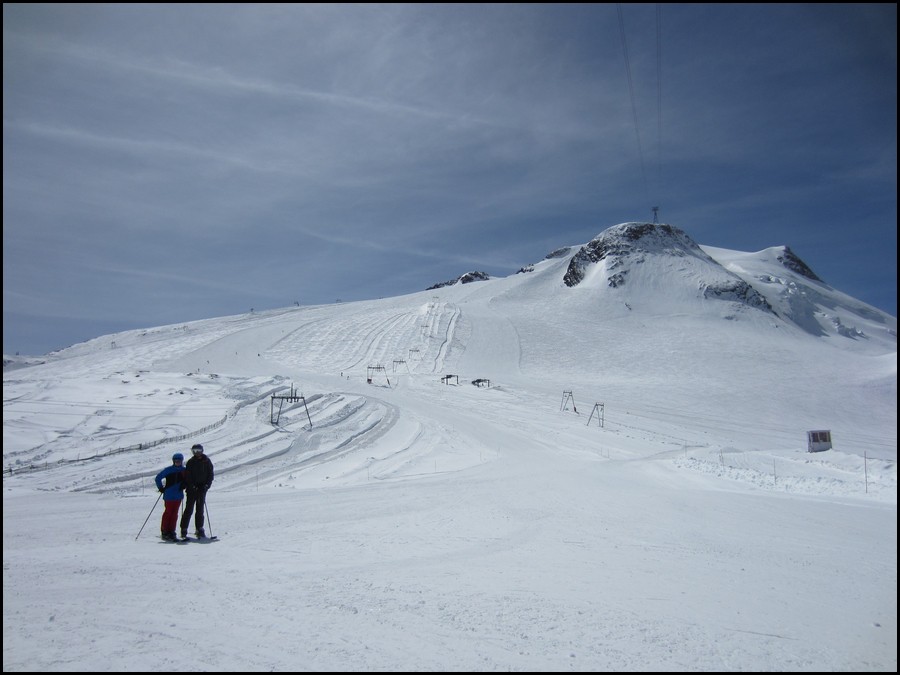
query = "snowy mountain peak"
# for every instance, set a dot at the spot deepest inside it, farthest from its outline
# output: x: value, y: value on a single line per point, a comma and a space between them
x: 627, y: 241
x: 466, y: 278
x: 679, y: 267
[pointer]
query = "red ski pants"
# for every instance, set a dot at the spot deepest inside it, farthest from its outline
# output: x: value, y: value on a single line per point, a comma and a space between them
x: 170, y: 515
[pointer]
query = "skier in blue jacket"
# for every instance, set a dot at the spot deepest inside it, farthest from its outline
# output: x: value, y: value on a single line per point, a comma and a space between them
x: 173, y: 492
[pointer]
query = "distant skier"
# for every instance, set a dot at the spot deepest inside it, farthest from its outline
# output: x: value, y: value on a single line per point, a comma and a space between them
x: 199, y: 475
x: 174, y: 477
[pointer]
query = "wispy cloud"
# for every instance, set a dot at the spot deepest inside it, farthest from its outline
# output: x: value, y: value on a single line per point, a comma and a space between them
x: 220, y: 79
x: 145, y: 147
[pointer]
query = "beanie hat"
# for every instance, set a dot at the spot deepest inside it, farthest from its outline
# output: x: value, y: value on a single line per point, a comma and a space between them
x: 197, y: 448
x: 177, y: 455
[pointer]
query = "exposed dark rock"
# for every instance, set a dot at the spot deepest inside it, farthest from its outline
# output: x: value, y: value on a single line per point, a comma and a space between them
x: 739, y: 291
x: 558, y: 253
x: 790, y: 260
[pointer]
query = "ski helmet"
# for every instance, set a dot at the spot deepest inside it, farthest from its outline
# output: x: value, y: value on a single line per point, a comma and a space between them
x: 177, y: 456
x: 197, y: 448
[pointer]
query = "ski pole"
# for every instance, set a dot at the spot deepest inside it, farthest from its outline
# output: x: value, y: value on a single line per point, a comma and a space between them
x: 209, y: 522
x: 148, y: 516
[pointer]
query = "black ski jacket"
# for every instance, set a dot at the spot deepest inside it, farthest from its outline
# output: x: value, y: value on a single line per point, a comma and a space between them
x: 199, y: 472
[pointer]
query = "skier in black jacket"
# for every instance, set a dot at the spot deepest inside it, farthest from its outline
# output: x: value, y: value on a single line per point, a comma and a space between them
x: 199, y: 477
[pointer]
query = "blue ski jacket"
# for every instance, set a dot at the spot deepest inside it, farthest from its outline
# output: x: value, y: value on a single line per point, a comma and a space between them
x: 174, y: 482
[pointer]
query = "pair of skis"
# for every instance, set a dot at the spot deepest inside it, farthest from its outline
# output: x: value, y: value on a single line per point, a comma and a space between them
x: 186, y: 540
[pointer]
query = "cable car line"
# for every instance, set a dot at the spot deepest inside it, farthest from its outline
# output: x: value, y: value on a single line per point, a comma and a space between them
x: 634, y: 114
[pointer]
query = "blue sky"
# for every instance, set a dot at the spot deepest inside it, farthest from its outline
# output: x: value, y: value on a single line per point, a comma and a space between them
x: 168, y: 163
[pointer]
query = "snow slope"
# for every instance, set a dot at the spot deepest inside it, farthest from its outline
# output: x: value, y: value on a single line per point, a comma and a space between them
x: 628, y: 489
